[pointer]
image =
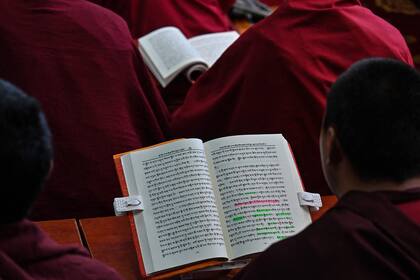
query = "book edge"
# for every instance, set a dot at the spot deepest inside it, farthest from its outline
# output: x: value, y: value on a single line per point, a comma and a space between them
x: 124, y: 190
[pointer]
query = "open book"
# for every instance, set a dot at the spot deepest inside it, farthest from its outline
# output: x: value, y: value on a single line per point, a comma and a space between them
x: 167, y: 52
x: 221, y: 200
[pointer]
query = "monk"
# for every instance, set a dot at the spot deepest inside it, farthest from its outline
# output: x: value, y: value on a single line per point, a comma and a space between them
x: 26, y: 252
x: 275, y: 77
x: 193, y: 17
x: 371, y: 159
x: 79, y: 61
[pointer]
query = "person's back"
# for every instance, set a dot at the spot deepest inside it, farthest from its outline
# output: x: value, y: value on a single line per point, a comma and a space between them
x: 365, y: 236
x: 26, y: 252
x: 193, y: 17
x: 275, y: 77
x: 79, y: 60
x: 371, y: 159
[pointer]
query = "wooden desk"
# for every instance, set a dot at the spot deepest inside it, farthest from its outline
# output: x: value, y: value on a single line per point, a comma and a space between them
x: 62, y: 231
x: 241, y: 25
x: 328, y: 201
x: 109, y: 240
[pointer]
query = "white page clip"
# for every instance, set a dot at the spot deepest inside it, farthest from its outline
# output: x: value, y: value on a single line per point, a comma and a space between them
x: 312, y: 200
x: 127, y: 204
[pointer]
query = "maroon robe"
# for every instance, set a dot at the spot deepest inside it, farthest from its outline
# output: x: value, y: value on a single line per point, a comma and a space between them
x: 26, y: 252
x: 275, y: 77
x: 123, y: 8
x: 365, y: 236
x: 79, y: 61
x: 192, y: 17
x: 271, y: 2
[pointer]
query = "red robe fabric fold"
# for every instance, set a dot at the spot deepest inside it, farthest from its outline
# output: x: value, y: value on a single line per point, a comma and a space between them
x: 275, y: 77
x: 365, y: 236
x: 193, y: 17
x: 26, y: 252
x: 79, y: 61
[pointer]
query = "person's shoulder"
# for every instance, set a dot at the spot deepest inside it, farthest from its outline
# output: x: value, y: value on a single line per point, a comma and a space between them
x: 100, y: 18
x: 276, y: 37
x: 312, y: 248
x: 92, y: 9
x: 269, y: 31
x: 259, y: 46
x: 338, y: 222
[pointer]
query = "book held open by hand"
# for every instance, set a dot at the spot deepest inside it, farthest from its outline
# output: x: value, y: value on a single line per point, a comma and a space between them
x: 221, y: 200
x: 167, y: 52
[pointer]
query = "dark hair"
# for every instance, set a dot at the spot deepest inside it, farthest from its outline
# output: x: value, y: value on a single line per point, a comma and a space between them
x: 25, y: 152
x: 375, y: 108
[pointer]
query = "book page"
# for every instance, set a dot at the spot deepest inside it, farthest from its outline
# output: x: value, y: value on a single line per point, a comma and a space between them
x: 167, y: 52
x: 257, y: 184
x: 180, y: 224
x: 212, y: 46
